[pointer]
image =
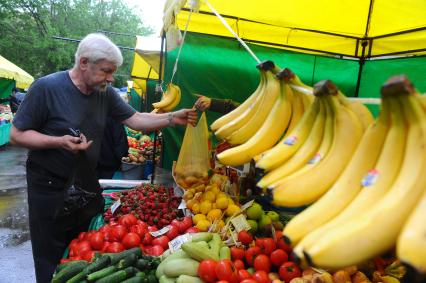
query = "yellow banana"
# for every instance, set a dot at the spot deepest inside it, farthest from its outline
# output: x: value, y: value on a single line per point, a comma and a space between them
x: 240, y: 109
x: 346, y: 188
x: 411, y: 244
x: 269, y: 132
x: 376, y: 231
x: 359, y: 109
x: 175, y: 103
x: 168, y: 96
x: 269, y: 97
x: 297, y: 109
x: 303, y: 155
x: 288, y: 146
x: 227, y: 129
x: 307, y: 187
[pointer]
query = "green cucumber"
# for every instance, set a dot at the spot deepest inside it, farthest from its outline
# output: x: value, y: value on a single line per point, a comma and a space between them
x: 215, y: 244
x: 69, y: 263
x: 127, y: 261
x: 179, y: 266
x: 134, y: 279
x: 116, y: 257
x: 101, y: 273
x: 117, y: 276
x: 199, y: 253
x: 69, y: 271
x: 189, y: 279
x: 225, y: 253
x: 101, y: 262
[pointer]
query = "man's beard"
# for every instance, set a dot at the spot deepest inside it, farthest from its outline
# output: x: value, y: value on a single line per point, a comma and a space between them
x: 100, y: 88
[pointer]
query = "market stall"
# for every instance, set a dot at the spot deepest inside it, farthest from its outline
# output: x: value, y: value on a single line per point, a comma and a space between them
x: 303, y: 183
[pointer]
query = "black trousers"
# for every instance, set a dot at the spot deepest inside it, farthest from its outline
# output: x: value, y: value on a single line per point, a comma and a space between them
x: 50, y: 231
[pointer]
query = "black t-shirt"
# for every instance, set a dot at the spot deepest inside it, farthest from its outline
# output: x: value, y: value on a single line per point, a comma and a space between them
x: 53, y: 105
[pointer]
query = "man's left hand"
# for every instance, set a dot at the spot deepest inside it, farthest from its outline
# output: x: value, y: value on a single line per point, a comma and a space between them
x: 185, y: 116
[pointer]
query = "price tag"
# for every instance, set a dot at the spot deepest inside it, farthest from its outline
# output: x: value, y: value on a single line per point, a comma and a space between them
x: 177, y: 242
x: 247, y: 205
x: 182, y: 205
x: 240, y: 223
x: 115, y: 206
x: 160, y: 232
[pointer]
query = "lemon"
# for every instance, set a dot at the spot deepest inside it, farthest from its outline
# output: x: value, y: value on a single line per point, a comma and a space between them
x: 188, y: 195
x: 230, y: 201
x: 197, y: 218
x: 203, y: 225
x: 221, y: 194
x: 220, y: 224
x: 214, y: 214
x: 195, y: 208
x: 232, y: 209
x: 190, y: 203
x: 215, y: 189
x: 222, y: 203
x: 210, y: 196
x: 205, y: 207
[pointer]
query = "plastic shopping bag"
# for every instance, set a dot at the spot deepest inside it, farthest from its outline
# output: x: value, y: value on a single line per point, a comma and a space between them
x: 193, y: 165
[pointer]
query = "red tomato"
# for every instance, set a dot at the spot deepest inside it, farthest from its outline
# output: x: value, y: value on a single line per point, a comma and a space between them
x: 267, y: 245
x: 131, y: 240
x: 147, y: 239
x: 115, y: 247
x: 64, y: 260
x: 222, y: 281
x: 282, y: 242
x: 251, y: 253
x: 117, y: 233
x: 73, y: 244
x: 142, y: 224
x: 186, y: 223
x: 278, y: 257
x: 139, y: 229
x: 237, y: 253
x: 206, y: 270
x: 81, y: 236
x: 162, y: 241
x: 244, y: 237
x: 262, y: 277
x: 262, y: 262
x: 127, y: 220
x: 239, y: 264
x: 173, y: 232
x: 156, y: 250
x: 88, y: 235
x: 243, y: 274
x: 105, y: 246
x: 97, y: 240
x: 225, y: 270
x: 82, y: 247
x: 248, y: 281
x: 87, y: 255
x: 192, y: 230
x: 289, y: 270
x: 152, y: 228
x: 176, y: 223
x: 105, y: 228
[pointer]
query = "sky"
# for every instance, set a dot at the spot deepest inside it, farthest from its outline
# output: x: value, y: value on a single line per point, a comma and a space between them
x: 151, y: 12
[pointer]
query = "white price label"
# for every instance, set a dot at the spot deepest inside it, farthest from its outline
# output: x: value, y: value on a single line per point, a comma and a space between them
x: 177, y: 242
x: 182, y: 205
x: 115, y: 206
x: 240, y: 223
x: 160, y: 232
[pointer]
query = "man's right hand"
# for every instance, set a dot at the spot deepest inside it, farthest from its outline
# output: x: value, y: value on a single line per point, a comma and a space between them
x: 75, y: 144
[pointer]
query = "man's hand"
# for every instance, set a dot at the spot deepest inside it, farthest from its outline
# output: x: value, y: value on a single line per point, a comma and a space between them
x: 75, y: 144
x: 203, y: 103
x: 185, y: 116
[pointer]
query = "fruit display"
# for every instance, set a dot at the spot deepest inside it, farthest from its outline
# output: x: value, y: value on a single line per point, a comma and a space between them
x: 154, y: 204
x: 169, y: 100
x: 141, y: 148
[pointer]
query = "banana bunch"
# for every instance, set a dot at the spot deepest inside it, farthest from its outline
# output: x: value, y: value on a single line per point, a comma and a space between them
x: 170, y: 99
x: 266, y: 126
x: 379, y: 200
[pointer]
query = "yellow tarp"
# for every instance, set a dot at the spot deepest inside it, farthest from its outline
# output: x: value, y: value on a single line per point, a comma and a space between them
x: 329, y: 26
x: 10, y: 71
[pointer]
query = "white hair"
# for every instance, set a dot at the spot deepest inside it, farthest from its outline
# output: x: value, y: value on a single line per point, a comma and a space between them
x: 95, y: 47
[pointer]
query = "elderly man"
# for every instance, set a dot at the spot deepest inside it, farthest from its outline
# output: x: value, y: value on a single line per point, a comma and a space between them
x: 62, y: 121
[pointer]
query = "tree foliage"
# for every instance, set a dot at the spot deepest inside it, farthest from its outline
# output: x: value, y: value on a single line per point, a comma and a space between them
x: 28, y: 28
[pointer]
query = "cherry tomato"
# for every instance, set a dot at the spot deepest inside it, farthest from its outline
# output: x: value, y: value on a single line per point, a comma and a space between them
x: 262, y: 277
x: 278, y: 257
x: 282, y: 243
x: 251, y: 253
x: 267, y: 245
x: 243, y: 274
x: 239, y: 264
x: 262, y: 262
x: 244, y: 237
x: 207, y: 270
x: 131, y: 240
x: 289, y: 270
x: 237, y: 253
x: 225, y: 270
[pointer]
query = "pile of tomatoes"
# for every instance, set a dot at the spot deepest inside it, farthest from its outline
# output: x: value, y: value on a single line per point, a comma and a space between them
x: 127, y: 233
x: 262, y: 260
x: 154, y: 204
